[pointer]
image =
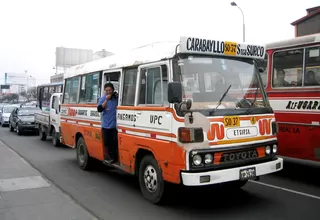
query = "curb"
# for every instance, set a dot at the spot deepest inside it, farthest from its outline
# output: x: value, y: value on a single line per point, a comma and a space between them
x: 51, y: 182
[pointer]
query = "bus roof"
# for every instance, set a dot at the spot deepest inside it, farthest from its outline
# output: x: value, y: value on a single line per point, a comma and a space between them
x: 166, y: 50
x: 51, y: 84
x: 294, y: 42
x: 145, y: 54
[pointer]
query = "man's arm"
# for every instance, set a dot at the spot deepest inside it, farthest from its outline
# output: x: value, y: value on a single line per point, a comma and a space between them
x: 102, y: 103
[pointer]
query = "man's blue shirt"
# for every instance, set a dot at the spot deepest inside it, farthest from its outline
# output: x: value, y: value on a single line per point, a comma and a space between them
x: 109, y: 113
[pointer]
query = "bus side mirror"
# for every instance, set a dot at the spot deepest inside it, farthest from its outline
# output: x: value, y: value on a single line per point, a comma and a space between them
x: 261, y: 69
x: 174, y: 92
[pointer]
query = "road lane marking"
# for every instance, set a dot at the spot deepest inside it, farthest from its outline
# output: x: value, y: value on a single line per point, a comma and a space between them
x: 287, y: 190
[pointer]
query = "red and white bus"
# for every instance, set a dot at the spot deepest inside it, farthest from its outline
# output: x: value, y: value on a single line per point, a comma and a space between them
x: 292, y: 80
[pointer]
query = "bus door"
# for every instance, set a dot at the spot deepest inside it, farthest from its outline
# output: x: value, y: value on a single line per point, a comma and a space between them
x: 153, y: 118
x: 114, y: 77
x: 39, y: 96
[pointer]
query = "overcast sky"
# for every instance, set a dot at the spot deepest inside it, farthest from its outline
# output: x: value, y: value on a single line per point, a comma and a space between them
x: 30, y: 30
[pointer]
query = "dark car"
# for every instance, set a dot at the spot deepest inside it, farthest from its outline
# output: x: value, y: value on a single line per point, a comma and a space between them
x: 23, y: 119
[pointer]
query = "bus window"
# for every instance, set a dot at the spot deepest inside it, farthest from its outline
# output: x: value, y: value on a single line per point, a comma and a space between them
x: 45, y: 97
x: 52, y: 90
x: 286, y: 65
x: 154, y: 86
x: 72, y: 90
x: 312, y: 72
x: 129, y: 87
x: 58, y: 89
x: 90, y: 88
x: 112, y: 78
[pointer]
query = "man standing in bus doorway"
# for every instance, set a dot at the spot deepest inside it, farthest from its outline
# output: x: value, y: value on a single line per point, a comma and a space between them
x: 107, y: 104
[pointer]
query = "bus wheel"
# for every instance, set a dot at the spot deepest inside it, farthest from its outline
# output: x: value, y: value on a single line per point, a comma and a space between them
x: 83, y: 157
x: 151, y: 180
x: 55, y: 138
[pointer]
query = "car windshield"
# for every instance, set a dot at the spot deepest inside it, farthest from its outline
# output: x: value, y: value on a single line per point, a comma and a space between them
x: 8, y: 109
x: 28, y: 111
x: 220, y: 83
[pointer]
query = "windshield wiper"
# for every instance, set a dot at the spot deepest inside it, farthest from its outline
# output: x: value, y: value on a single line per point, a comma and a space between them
x: 254, y: 101
x: 223, y: 96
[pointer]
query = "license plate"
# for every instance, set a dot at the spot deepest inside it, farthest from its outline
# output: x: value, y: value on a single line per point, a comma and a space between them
x: 248, y: 173
x: 231, y: 121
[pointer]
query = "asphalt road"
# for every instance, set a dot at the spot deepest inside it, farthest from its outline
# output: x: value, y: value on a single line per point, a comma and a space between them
x: 293, y: 193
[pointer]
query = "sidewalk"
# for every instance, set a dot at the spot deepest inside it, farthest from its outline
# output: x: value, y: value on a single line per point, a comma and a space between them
x: 26, y: 195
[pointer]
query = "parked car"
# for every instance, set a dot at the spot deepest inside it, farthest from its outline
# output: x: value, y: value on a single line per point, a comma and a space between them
x: 1, y: 106
x: 5, y: 114
x: 23, y: 119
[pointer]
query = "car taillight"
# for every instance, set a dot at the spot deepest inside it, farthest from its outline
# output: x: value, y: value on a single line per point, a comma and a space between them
x: 190, y: 135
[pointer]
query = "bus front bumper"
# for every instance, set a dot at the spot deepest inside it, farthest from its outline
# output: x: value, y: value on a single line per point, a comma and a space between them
x: 226, y: 175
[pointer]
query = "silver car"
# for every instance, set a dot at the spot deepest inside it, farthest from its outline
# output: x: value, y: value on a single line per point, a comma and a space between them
x: 5, y: 114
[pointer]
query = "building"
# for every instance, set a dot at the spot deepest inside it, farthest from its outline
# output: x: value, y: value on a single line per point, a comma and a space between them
x: 57, y: 78
x: 101, y: 54
x: 19, y: 82
x: 309, y: 24
x: 67, y: 57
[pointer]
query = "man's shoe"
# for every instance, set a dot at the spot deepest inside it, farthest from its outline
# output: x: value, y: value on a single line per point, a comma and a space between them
x: 107, y: 160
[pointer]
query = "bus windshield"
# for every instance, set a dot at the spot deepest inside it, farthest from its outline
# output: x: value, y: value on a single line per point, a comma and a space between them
x: 217, y: 84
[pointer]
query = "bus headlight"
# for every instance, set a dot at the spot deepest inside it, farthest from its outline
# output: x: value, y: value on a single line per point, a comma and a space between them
x: 275, y: 148
x: 197, y: 160
x: 208, y: 158
x: 268, y: 149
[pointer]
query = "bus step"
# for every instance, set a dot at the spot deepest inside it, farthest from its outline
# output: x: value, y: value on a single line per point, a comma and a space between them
x: 117, y: 164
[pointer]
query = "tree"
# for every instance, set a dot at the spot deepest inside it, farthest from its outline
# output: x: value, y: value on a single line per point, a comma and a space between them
x: 14, y: 97
x: 30, y: 94
x: 32, y: 91
x: 24, y: 95
x: 11, y: 97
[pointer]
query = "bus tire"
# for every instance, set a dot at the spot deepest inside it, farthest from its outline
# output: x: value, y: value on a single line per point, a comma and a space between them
x: 55, y: 139
x: 43, y: 135
x: 151, y: 180
x: 83, y: 158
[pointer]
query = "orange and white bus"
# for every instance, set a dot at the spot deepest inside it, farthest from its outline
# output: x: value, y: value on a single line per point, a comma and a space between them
x: 168, y: 131
x: 296, y: 103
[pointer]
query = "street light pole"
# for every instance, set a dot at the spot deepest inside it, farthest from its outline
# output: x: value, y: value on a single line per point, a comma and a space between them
x: 243, y: 25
